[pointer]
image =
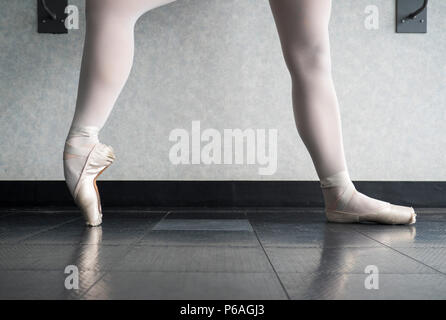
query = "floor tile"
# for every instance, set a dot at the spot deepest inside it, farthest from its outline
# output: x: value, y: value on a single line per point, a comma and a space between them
x: 291, y: 215
x: 57, y: 257
x: 195, y: 259
x: 352, y: 286
x: 342, y: 260
x: 70, y: 233
x: 199, y: 238
x: 114, y: 230
x: 186, y: 285
x: 433, y: 257
x: 121, y: 216
x: 30, y: 257
x: 43, y: 284
x: 328, y: 235
x: 206, y: 214
x: 204, y: 224
x: 99, y: 257
x: 77, y: 232
x: 430, y: 214
x: 4, y: 213
x: 419, y: 235
x: 145, y: 253
x: 19, y: 226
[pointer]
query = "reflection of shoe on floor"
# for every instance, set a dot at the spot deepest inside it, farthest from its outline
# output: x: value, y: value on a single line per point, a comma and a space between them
x: 92, y: 236
x: 346, y: 205
x: 396, y: 235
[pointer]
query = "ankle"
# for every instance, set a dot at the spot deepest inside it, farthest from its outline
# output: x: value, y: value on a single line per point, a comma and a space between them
x: 78, y: 145
x: 331, y: 196
x: 336, y: 189
x: 81, y: 139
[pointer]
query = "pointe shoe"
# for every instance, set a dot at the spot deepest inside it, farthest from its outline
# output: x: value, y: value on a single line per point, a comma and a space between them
x: 86, y: 194
x: 391, y: 214
x: 387, y: 213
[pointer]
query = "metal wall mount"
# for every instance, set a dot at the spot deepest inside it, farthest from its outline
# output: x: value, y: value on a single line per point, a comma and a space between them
x: 51, y: 16
x: 411, y: 16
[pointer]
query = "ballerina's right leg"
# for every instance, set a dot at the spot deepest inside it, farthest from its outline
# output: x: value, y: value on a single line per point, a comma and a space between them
x: 106, y: 65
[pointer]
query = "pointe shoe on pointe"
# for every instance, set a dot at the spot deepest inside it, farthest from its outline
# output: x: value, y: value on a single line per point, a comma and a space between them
x: 342, y: 210
x: 86, y: 194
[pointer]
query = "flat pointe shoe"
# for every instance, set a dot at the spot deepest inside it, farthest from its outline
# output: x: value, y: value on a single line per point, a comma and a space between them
x: 86, y: 194
x: 391, y: 214
x: 341, y: 210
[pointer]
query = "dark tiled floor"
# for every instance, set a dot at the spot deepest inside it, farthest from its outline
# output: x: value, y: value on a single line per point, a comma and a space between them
x: 218, y: 254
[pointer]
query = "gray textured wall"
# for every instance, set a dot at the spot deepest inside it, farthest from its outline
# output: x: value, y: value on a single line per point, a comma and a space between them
x: 219, y: 62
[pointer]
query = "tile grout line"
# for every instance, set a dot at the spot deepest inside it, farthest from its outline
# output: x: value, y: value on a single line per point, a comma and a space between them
x: 93, y: 284
x: 21, y: 241
x: 267, y: 257
x: 148, y: 229
x: 402, y: 253
x: 130, y: 246
x: 271, y: 264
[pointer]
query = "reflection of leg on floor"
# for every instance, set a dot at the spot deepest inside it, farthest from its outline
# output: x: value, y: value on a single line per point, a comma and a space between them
x: 87, y: 261
x: 339, y: 259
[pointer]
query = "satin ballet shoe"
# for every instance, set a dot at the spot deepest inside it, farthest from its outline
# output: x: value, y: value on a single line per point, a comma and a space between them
x: 339, y: 210
x: 391, y: 214
x: 86, y: 194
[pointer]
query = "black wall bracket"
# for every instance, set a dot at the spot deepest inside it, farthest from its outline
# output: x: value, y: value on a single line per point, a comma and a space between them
x: 51, y: 16
x: 411, y: 16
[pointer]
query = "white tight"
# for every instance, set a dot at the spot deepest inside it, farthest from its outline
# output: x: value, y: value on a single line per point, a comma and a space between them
x: 108, y: 56
x: 303, y: 31
x: 106, y: 65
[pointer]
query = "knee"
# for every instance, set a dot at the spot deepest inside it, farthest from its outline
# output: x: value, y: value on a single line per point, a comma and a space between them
x: 305, y: 60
